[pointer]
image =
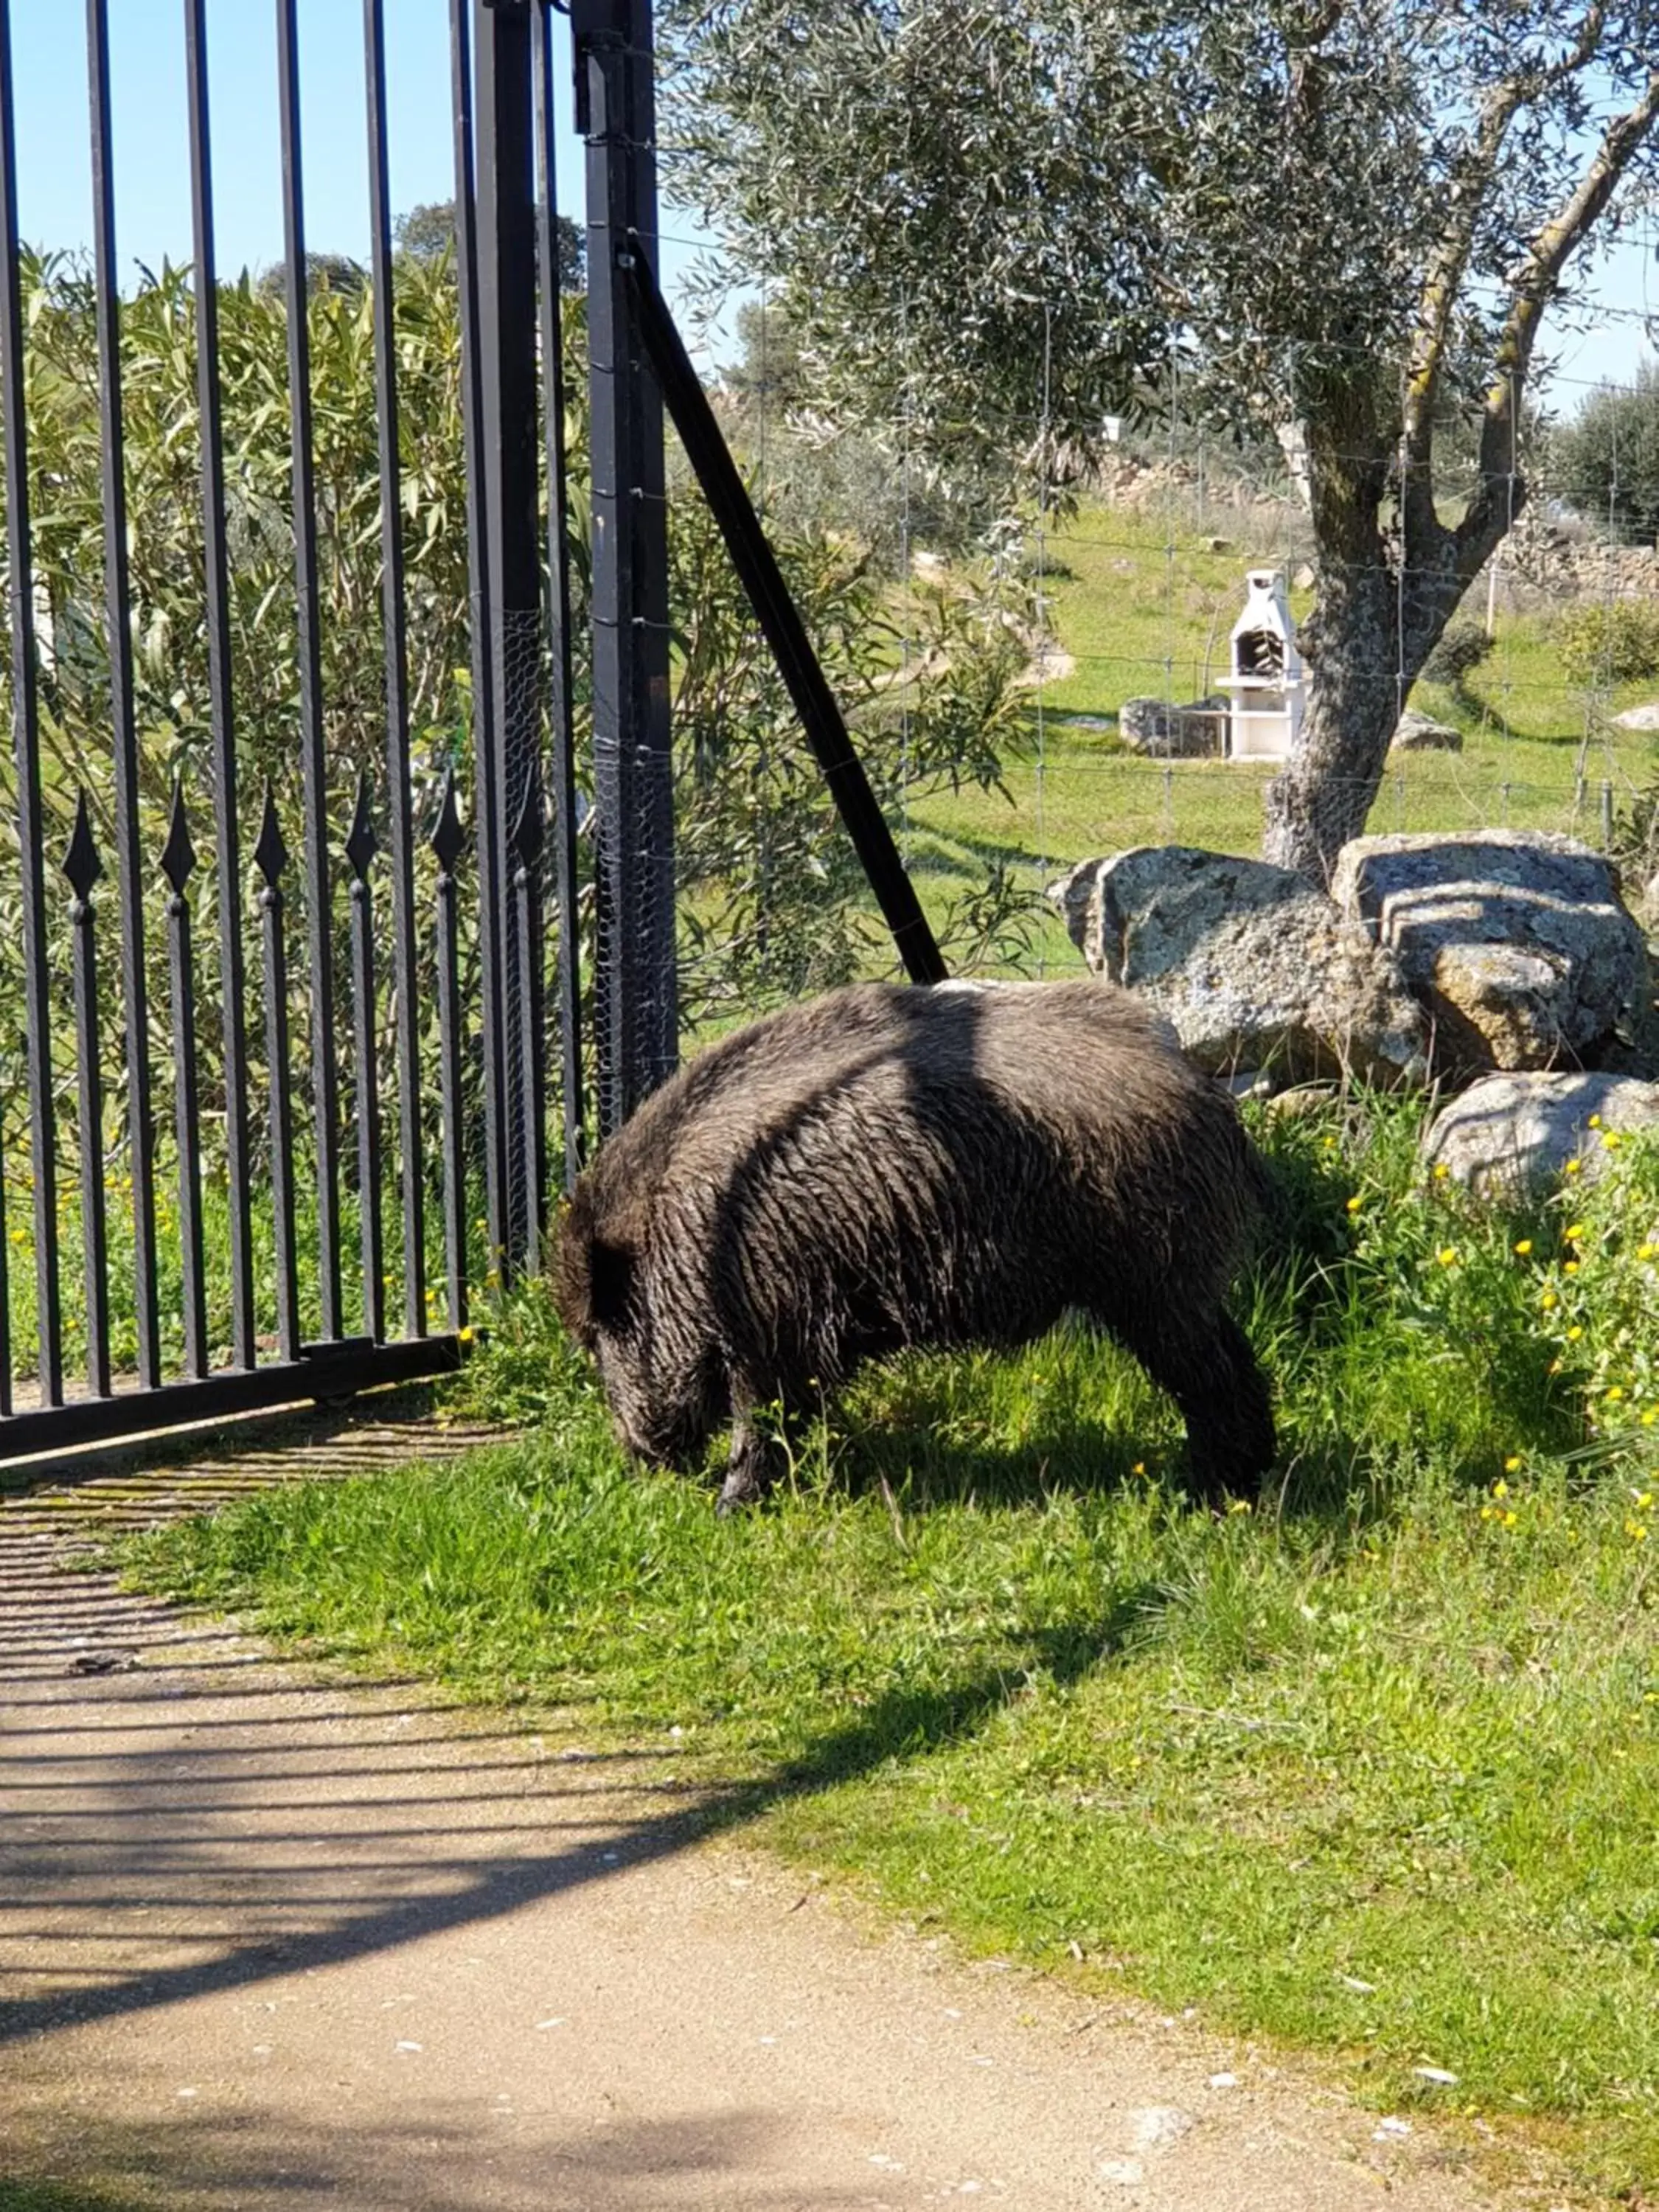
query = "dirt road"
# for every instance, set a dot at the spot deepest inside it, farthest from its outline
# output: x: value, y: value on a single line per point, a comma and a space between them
x: 267, y: 1942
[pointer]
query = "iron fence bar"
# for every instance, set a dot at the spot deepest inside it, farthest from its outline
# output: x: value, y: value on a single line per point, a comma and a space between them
x: 178, y: 865
x: 5, y: 1304
x: 633, y: 765
x: 333, y: 1371
x: 447, y: 839
x: 227, y: 840
x: 528, y: 833
x: 272, y: 856
x: 507, y: 331
x: 129, y: 860
x: 396, y: 618
x: 490, y: 837
x: 360, y: 849
x: 562, y: 697
x: 780, y: 618
x: 26, y: 739
x: 83, y: 868
x: 319, y: 935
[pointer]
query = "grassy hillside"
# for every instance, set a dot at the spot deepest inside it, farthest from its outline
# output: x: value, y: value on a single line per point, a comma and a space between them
x: 1141, y: 605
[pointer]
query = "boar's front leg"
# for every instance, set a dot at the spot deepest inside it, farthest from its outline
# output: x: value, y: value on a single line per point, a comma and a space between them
x: 755, y: 1463
x: 759, y: 1454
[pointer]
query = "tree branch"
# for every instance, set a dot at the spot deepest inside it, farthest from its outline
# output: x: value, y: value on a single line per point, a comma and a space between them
x: 1535, y: 287
x: 1444, y: 278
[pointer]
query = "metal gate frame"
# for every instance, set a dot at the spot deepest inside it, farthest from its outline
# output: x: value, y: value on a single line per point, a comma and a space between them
x: 525, y: 787
x: 499, y: 241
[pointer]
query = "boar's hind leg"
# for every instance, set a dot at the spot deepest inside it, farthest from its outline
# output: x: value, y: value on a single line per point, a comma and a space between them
x: 1211, y: 1372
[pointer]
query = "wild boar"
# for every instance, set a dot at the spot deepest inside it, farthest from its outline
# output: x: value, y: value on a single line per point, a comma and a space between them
x: 891, y: 1166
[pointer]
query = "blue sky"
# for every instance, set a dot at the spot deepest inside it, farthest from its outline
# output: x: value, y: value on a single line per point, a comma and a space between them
x: 152, y: 148
x: 152, y: 154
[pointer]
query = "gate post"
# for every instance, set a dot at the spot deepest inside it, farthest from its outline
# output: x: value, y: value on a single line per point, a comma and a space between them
x: 509, y: 767
x: 637, y: 1011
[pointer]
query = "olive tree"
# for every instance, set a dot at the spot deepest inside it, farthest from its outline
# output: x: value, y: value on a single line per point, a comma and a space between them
x: 1342, y: 221
x: 1608, y: 458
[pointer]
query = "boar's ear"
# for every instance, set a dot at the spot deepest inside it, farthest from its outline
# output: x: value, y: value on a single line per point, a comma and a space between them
x: 612, y: 1273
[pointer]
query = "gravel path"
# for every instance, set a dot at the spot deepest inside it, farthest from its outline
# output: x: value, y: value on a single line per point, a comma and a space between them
x: 271, y: 1940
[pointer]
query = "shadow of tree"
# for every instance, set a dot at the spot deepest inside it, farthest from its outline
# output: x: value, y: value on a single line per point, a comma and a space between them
x: 439, y: 2162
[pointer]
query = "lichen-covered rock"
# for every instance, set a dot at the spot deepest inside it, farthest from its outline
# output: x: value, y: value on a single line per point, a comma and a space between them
x: 1196, y: 731
x: 1516, y: 942
x: 1509, y: 1135
x: 1253, y: 964
x: 1416, y: 732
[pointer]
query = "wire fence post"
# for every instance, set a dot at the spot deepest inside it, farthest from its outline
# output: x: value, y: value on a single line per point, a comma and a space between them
x: 637, y: 1010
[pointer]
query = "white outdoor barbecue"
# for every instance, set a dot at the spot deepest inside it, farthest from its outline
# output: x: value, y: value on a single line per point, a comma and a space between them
x: 1269, y: 686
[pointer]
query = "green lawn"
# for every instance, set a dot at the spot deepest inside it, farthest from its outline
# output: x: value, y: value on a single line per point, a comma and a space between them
x: 1372, y: 1769
x: 57, y: 2196
x: 1143, y: 607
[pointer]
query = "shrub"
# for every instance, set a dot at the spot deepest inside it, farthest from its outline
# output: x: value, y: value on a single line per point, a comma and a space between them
x: 1462, y: 649
x: 1614, y: 643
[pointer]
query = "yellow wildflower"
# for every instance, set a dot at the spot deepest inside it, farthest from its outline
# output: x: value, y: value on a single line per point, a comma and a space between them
x: 1615, y: 1392
x: 1500, y: 1489
x: 1549, y: 1300
x: 1572, y: 1167
x: 1571, y: 1269
x: 1524, y: 1248
x: 1573, y: 1231
x: 1447, y: 1256
x: 1596, y: 1121
x: 1355, y: 1203
x: 1441, y: 1172
x: 1574, y: 1333
x: 1512, y: 1464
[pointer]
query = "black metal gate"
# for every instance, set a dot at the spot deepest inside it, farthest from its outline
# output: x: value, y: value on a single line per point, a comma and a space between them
x: 345, y: 927
x: 330, y: 970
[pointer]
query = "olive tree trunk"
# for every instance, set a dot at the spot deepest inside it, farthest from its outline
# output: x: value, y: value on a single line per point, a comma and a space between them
x: 1385, y: 596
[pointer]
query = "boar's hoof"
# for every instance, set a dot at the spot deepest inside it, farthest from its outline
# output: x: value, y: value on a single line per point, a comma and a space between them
x: 755, y: 1466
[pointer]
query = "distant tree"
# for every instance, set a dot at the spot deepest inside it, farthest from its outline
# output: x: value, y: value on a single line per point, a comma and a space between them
x: 325, y: 272
x: 768, y: 370
x: 1608, y: 457
x: 428, y: 231
x: 1336, y: 219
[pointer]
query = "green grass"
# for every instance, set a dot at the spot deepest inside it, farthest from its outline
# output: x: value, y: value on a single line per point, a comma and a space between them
x: 1144, y: 608
x: 58, y: 2196
x: 1372, y: 1769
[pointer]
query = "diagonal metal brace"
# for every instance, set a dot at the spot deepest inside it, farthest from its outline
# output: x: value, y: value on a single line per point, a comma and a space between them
x: 780, y: 619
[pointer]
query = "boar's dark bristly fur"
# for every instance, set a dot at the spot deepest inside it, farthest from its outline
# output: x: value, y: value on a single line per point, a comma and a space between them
x: 892, y: 1166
